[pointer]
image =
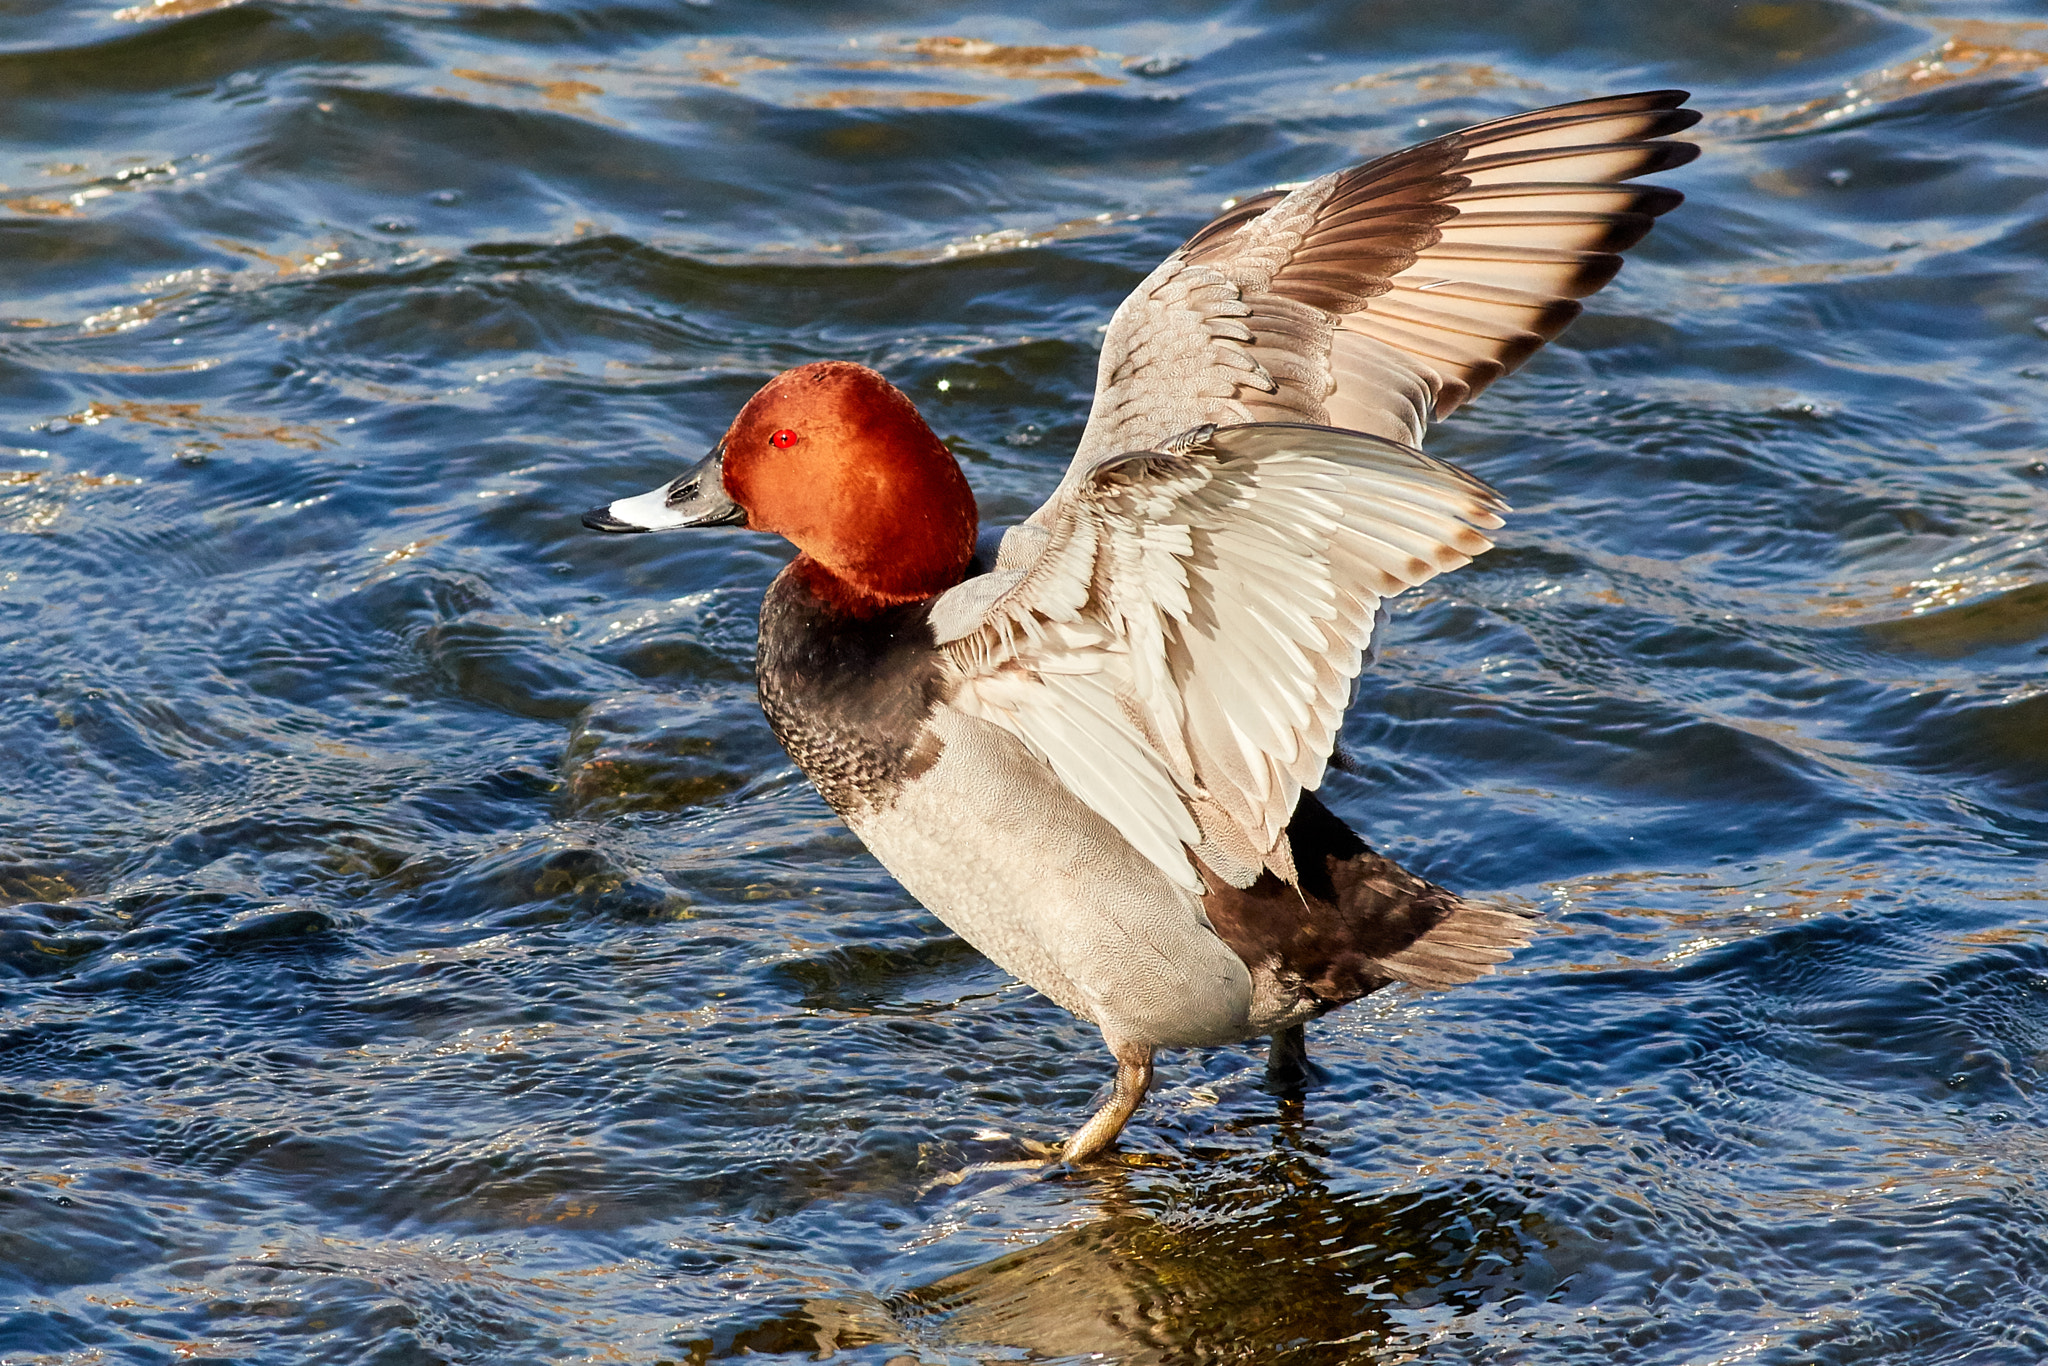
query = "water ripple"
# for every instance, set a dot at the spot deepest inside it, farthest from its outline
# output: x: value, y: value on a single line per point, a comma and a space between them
x: 415, y: 948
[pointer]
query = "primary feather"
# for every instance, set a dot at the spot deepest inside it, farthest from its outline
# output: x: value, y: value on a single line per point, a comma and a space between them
x: 1381, y: 298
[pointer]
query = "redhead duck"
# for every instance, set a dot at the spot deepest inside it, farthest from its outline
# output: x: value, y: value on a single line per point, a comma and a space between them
x: 1094, y: 755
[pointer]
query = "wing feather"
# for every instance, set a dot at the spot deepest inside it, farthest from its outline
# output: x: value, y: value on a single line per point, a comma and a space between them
x: 1178, y: 630
x: 1382, y: 298
x: 1175, y: 633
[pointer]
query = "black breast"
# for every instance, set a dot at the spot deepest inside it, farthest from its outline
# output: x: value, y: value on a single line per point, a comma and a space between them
x: 848, y: 697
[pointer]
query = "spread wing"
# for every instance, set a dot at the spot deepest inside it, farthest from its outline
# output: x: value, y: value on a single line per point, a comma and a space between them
x: 1175, y: 632
x: 1382, y: 297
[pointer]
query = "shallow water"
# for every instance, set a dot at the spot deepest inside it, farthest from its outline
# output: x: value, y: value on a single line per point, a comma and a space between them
x: 416, y: 949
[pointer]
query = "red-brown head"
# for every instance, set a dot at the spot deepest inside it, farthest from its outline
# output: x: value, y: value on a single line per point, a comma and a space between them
x: 838, y: 461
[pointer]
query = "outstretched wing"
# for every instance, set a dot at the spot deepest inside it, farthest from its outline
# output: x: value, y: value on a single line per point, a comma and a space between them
x: 1176, y: 631
x: 1382, y: 297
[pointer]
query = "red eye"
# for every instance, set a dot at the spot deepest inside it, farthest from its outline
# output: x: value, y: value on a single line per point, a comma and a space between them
x: 783, y: 438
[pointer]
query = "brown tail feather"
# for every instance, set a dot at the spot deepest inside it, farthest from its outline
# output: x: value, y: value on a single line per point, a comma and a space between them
x: 1465, y: 944
x: 1357, y: 921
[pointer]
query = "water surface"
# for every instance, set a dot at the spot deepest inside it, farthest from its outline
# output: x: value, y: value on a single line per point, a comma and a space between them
x: 415, y: 948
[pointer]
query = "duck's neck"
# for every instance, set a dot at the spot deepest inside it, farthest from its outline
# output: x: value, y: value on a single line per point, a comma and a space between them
x: 866, y: 591
x: 849, y: 696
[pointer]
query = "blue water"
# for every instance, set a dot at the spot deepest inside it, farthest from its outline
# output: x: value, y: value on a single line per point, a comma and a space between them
x: 415, y: 948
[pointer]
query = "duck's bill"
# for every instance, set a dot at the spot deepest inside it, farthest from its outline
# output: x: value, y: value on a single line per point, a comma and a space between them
x: 696, y: 497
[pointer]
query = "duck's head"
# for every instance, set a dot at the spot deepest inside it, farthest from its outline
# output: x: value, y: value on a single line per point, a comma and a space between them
x: 836, y: 460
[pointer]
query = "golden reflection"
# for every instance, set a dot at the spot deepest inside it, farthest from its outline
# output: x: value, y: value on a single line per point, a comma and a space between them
x: 193, y: 418
x: 973, y: 61
x: 1943, y: 627
x: 979, y: 52
x: 171, y: 9
x: 339, y: 750
x: 1435, y: 81
x: 46, y: 208
x: 1797, y: 894
x: 1248, y: 1258
x: 1015, y: 63
x: 564, y: 97
x: 1974, y: 50
x: 300, y: 263
x: 108, y: 367
x: 17, y: 887
x: 605, y: 772
x: 62, y: 201
x: 1804, y: 273
x: 2004, y: 936
x: 719, y: 63
x: 411, y: 549
x: 892, y: 99
x: 1067, y: 63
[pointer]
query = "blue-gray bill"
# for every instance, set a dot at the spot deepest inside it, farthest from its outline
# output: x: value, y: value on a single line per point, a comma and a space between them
x: 696, y: 497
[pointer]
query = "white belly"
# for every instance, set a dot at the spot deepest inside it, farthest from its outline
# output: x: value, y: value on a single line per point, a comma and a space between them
x: 992, y: 845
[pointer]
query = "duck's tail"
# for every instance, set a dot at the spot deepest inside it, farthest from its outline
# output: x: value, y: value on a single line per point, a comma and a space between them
x: 1357, y: 921
x: 1465, y: 944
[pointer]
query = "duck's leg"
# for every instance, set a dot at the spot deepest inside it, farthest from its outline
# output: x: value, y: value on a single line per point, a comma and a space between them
x: 1133, y: 1076
x: 1288, y: 1070
x: 1287, y: 1058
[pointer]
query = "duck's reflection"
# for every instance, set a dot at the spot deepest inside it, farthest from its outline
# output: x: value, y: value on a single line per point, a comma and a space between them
x: 1235, y: 1257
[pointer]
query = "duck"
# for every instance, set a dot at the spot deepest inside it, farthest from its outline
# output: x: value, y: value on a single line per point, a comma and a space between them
x: 1090, y: 744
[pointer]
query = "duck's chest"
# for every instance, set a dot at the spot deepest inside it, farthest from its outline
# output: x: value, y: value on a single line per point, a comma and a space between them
x: 850, y: 698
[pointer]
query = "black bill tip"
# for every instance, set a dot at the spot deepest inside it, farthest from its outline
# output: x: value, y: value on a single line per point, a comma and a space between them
x: 601, y: 519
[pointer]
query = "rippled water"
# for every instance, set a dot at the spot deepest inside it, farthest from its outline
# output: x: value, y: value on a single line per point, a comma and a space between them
x: 416, y: 949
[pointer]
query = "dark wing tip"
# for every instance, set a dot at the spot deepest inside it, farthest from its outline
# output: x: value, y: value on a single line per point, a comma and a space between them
x: 1633, y: 101
x: 1654, y: 201
x: 1676, y: 154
